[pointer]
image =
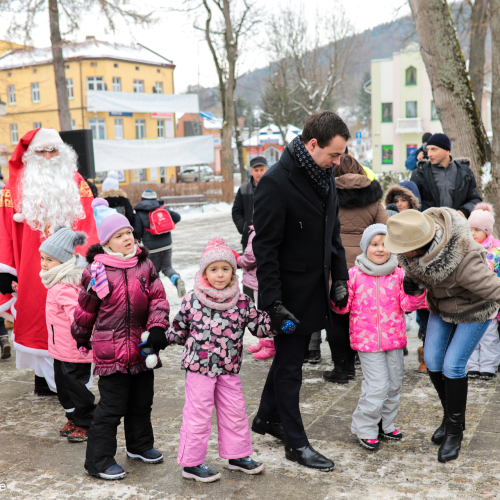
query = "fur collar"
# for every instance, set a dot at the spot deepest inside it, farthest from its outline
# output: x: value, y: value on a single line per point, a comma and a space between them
x: 434, y: 267
x: 113, y: 193
x: 362, y: 197
x: 464, y: 159
x: 402, y: 191
x: 97, y: 249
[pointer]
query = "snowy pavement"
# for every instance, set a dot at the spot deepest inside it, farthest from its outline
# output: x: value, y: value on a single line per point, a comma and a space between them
x: 35, y: 463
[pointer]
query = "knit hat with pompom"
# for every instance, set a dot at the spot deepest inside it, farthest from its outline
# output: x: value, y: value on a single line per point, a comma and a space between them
x: 108, y: 220
x: 61, y: 245
x: 217, y: 250
x: 483, y: 217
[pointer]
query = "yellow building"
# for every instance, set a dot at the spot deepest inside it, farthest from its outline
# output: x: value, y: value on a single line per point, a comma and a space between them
x: 27, y: 86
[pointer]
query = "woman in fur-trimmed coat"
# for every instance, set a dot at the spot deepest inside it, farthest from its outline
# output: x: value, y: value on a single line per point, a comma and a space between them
x: 405, y: 195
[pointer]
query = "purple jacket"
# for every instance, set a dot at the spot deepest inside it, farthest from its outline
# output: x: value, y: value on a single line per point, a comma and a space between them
x: 137, y: 302
x: 248, y: 262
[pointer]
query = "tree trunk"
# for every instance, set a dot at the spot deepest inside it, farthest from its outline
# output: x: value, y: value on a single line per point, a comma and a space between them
x: 450, y: 84
x: 58, y: 62
x: 239, y: 145
x: 479, y: 28
x: 492, y: 190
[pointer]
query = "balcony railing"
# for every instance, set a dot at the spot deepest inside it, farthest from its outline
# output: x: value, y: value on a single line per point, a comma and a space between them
x: 409, y: 126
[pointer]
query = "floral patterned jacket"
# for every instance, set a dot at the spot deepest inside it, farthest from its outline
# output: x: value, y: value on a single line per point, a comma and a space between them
x: 213, y: 339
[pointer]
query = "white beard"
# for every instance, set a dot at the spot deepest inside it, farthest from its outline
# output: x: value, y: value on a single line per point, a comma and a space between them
x: 50, y: 195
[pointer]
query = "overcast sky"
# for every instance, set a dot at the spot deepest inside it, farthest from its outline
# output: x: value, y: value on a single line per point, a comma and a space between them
x: 174, y: 37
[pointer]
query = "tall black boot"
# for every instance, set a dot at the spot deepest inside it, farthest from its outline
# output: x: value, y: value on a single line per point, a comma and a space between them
x: 437, y: 380
x: 339, y: 373
x: 456, y: 402
x: 42, y: 388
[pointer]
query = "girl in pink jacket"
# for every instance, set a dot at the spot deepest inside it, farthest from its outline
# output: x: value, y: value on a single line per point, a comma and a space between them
x: 377, y: 306
x: 62, y: 276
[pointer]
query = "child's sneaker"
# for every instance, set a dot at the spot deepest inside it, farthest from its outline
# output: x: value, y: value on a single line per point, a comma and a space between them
x: 151, y: 456
x: 201, y: 473
x: 473, y: 374
x: 246, y: 465
x: 395, y: 434
x: 370, y: 444
x: 67, y: 429
x: 487, y: 375
x: 265, y: 353
x: 78, y: 435
x: 115, y: 471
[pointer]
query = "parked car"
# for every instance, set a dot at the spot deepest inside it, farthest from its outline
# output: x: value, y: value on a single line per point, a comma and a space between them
x: 196, y: 173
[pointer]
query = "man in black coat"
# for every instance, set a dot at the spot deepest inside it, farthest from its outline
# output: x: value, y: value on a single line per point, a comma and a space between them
x: 298, y: 248
x: 444, y: 181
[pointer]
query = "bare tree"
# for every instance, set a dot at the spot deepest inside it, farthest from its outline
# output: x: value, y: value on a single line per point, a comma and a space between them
x: 451, y: 87
x: 25, y: 16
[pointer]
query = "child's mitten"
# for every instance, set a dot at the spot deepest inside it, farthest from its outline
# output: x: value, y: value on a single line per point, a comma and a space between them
x: 148, y: 350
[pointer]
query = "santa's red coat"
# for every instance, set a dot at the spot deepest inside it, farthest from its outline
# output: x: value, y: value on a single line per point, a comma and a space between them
x: 19, y: 255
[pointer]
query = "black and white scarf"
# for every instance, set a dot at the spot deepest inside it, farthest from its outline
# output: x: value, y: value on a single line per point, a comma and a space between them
x: 320, y: 178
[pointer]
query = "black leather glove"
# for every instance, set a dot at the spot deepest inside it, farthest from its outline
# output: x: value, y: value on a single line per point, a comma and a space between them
x: 157, y: 339
x: 279, y: 315
x: 339, y: 293
x: 86, y: 345
x: 411, y: 288
x: 6, y: 280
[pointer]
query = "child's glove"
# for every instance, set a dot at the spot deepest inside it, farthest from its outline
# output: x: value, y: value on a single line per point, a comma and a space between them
x: 236, y: 254
x: 280, y: 316
x: 411, y: 288
x: 157, y: 339
x: 339, y: 293
x: 84, y: 348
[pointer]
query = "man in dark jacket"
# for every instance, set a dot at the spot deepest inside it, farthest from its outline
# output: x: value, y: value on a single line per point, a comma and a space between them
x: 298, y: 248
x: 443, y: 181
x: 160, y: 245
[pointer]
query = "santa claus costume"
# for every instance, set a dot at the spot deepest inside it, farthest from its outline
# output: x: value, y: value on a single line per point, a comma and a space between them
x: 43, y: 192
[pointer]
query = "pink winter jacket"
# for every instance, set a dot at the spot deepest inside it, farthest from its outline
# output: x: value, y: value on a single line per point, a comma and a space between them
x: 248, y: 262
x: 62, y: 300
x: 377, y: 305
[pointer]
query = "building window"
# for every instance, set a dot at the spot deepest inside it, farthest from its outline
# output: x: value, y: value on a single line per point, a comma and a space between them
x: 118, y: 128
x: 387, y: 155
x: 37, y: 125
x: 98, y: 127
x: 411, y: 109
x: 138, y: 85
x: 35, y: 92
x: 95, y: 83
x: 67, y: 66
x: 387, y: 111
x: 434, y: 113
x: 140, y: 129
x: 14, y: 136
x: 11, y: 94
x: 161, y: 128
x: 116, y: 65
x: 73, y: 125
x: 93, y: 64
x: 117, y: 84
x: 411, y: 76
x: 69, y: 86
x: 158, y: 88
x: 137, y: 68
x: 143, y: 174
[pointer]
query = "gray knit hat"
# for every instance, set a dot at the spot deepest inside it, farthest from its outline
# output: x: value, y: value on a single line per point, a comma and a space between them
x: 61, y: 245
x: 369, y: 233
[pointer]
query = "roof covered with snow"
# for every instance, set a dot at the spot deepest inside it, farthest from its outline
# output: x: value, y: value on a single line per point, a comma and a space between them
x: 272, y: 134
x: 90, y: 49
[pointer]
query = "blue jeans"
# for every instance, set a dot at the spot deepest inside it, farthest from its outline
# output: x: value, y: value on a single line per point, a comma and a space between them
x: 448, y: 347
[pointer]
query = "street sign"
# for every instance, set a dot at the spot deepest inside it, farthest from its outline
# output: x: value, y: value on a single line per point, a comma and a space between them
x: 3, y: 148
x: 358, y: 135
x: 358, y: 142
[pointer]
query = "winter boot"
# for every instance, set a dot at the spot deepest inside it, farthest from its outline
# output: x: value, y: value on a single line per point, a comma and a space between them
x: 339, y: 374
x: 420, y: 353
x: 268, y: 351
x: 351, y: 367
x: 4, y: 348
x: 456, y: 403
x: 437, y: 380
x: 179, y: 284
x: 252, y: 349
x: 42, y: 388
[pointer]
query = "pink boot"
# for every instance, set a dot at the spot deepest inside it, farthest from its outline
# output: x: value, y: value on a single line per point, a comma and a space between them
x: 255, y: 348
x: 268, y: 351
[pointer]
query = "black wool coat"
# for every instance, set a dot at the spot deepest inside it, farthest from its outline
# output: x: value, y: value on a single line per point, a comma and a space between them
x: 243, y: 210
x: 297, y: 243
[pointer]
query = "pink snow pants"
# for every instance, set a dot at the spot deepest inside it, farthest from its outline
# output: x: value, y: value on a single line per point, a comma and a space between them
x: 202, y: 393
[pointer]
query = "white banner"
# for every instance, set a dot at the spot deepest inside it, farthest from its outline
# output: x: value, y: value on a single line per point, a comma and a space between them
x: 149, y: 153
x: 138, y: 102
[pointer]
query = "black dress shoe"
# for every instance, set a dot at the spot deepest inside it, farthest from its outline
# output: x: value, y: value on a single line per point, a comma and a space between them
x: 274, y: 429
x: 309, y: 457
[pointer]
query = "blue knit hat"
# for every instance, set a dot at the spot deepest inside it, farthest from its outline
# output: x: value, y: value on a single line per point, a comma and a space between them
x: 108, y: 220
x: 369, y: 233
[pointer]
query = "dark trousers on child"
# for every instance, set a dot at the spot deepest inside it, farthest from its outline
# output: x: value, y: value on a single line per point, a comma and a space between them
x: 72, y: 392
x: 122, y: 395
x: 163, y: 262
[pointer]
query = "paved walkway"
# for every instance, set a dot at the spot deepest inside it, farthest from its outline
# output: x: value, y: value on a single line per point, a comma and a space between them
x: 36, y: 463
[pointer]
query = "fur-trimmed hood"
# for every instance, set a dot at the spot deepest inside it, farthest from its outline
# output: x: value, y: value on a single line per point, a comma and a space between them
x: 356, y: 190
x: 399, y: 190
x: 97, y: 249
x: 464, y: 159
x: 113, y: 193
x: 440, y: 262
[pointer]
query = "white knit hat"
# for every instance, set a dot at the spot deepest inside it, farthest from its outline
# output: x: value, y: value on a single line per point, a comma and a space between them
x: 111, y: 182
x: 46, y: 137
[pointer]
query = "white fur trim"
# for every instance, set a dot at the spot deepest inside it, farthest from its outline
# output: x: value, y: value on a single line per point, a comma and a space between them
x: 46, y: 137
x: 151, y: 360
x: 29, y: 350
x: 13, y: 309
x: 7, y: 316
x: 7, y: 305
x: 18, y: 217
x: 144, y: 336
x: 4, y: 268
